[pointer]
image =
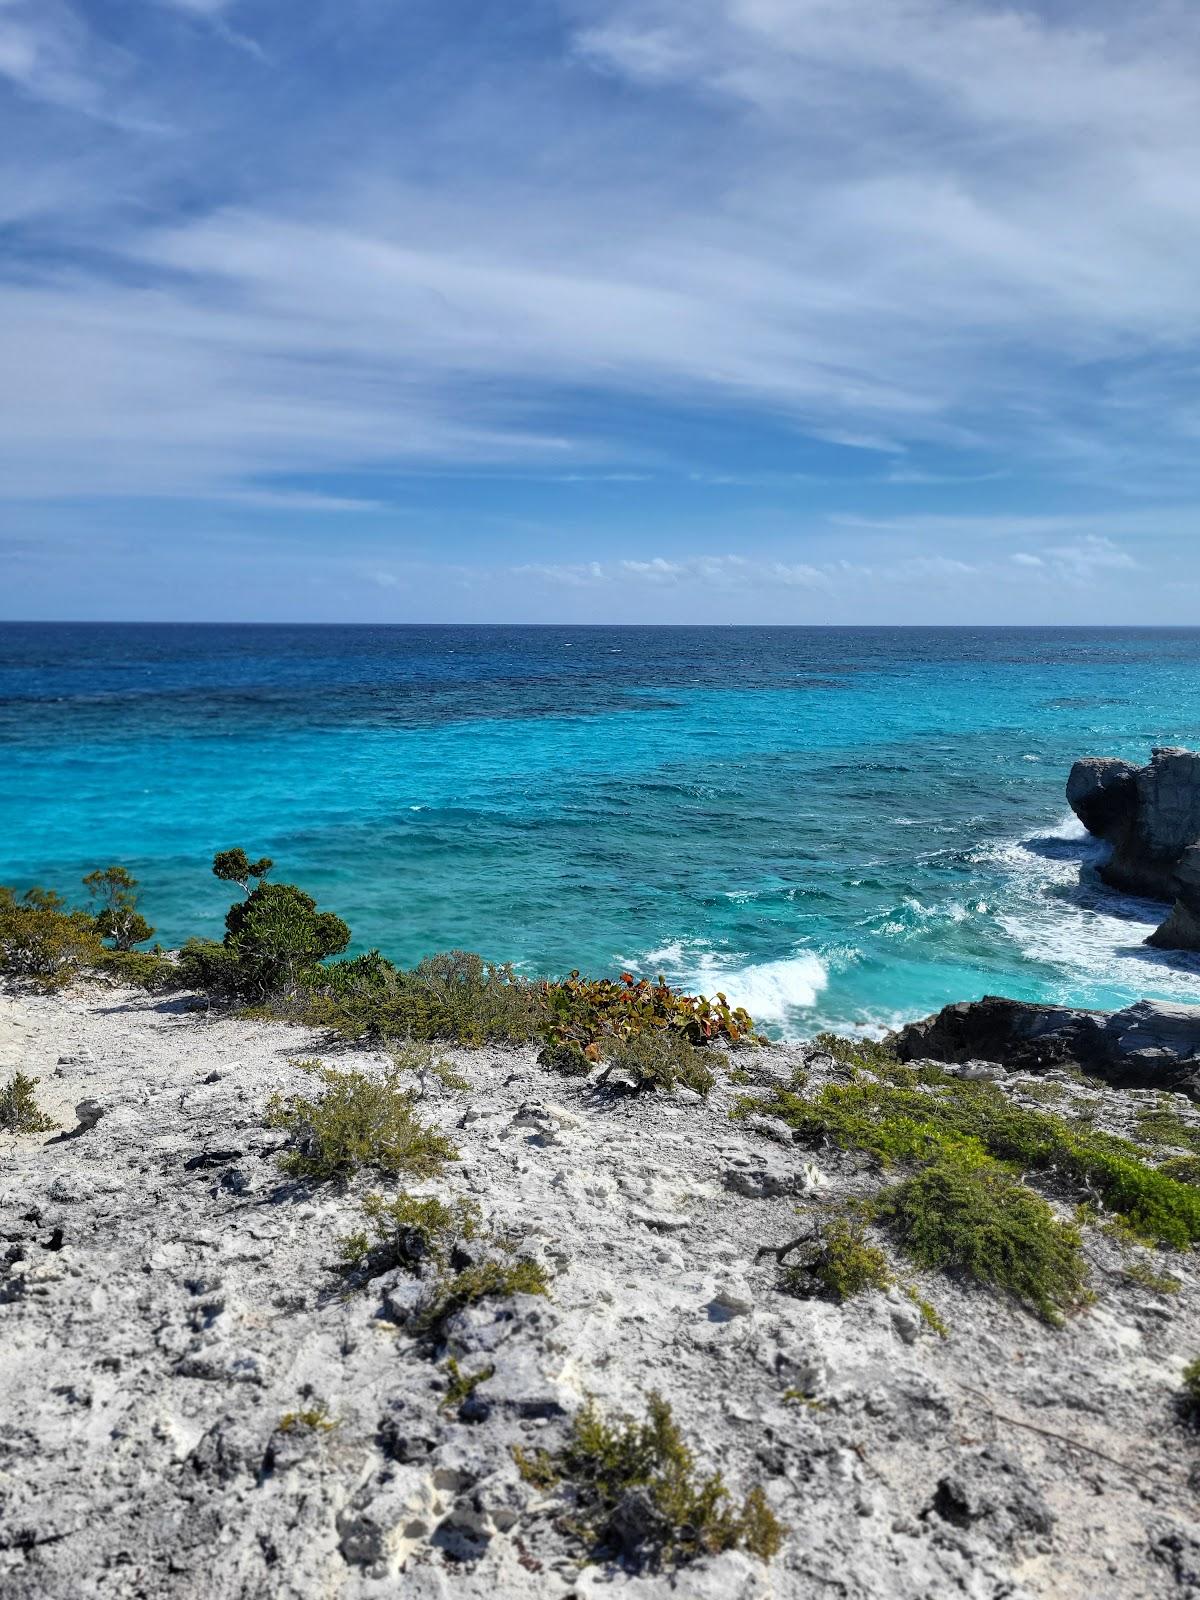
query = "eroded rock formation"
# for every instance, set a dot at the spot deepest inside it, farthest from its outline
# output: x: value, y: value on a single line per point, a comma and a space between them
x: 1151, y: 1045
x: 1151, y: 817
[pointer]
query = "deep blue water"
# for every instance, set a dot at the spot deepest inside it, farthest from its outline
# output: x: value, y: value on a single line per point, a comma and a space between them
x: 838, y: 826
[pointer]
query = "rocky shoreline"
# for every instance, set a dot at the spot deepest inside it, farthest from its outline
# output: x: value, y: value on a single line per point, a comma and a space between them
x: 170, y: 1317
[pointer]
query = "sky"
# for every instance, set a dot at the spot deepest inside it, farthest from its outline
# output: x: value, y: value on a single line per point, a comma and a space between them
x: 785, y: 311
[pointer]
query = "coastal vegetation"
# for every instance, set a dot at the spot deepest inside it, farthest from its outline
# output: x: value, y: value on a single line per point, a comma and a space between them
x: 19, y: 1110
x: 276, y: 959
x: 964, y: 1202
x: 633, y: 1491
x: 406, y: 1231
x: 356, y: 1122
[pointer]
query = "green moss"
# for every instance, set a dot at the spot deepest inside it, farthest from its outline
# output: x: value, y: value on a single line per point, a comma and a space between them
x: 488, y: 1279
x: 536, y: 1467
x: 461, y: 1385
x: 19, y: 1112
x: 982, y: 1222
x: 1163, y: 1126
x: 636, y: 1493
x: 840, y: 1265
x: 853, y: 1053
x: 407, y: 1230
x: 315, y: 1417
x: 911, y: 1121
x: 1140, y: 1271
x: 357, y: 1122
x: 1191, y: 1383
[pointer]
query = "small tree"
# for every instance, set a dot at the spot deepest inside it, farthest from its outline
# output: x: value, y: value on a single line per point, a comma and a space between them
x: 114, y: 891
x: 235, y: 866
x: 277, y: 935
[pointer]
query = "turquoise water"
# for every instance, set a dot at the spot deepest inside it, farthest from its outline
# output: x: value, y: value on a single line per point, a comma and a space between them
x: 836, y: 826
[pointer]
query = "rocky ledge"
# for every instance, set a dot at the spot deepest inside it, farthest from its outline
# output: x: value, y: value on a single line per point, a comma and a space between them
x: 1151, y: 818
x: 1151, y: 1045
x: 196, y: 1405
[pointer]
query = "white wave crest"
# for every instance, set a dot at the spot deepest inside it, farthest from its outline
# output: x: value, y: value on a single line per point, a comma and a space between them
x: 771, y: 991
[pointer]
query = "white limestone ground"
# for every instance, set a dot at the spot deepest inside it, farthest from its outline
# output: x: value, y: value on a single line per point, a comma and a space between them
x: 167, y: 1299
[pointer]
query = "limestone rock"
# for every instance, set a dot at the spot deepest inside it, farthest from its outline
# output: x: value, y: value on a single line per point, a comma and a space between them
x: 1151, y: 818
x: 1154, y: 1044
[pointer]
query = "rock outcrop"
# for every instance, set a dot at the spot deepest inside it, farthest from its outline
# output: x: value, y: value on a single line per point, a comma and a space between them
x: 196, y: 1405
x: 1151, y: 817
x: 1151, y: 1045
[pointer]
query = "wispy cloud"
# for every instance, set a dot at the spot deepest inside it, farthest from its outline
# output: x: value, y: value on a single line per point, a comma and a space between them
x: 875, y: 258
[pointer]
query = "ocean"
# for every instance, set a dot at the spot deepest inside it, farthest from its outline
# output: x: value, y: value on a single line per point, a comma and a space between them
x: 838, y: 827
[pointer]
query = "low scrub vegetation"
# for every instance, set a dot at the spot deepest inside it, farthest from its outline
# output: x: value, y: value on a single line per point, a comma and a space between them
x: 634, y: 1493
x: 981, y: 1222
x: 916, y: 1116
x: 276, y: 961
x: 356, y: 1122
x: 50, y: 942
x: 407, y: 1231
x: 489, y: 1279
x: 840, y: 1264
x: 19, y: 1110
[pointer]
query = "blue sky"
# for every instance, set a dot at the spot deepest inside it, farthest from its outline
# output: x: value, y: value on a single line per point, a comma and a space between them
x: 592, y: 310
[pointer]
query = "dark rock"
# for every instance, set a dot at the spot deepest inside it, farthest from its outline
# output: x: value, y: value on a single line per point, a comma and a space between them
x: 1151, y: 817
x: 1151, y: 1045
x: 988, y: 1492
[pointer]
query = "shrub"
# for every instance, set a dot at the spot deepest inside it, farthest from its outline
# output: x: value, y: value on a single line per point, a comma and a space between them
x: 487, y: 1279
x: 19, y: 1111
x: 315, y: 1417
x: 637, y: 1493
x: 462, y: 1385
x: 456, y: 995
x: 1164, y: 1126
x: 357, y: 1122
x: 661, y: 1060
x: 869, y: 1053
x: 209, y: 966
x: 1184, y: 1169
x: 113, y: 890
x: 278, y: 937
x: 1191, y: 1384
x: 982, y: 1222
x: 42, y: 939
x: 842, y: 1264
x: 919, y: 1117
x: 407, y: 1231
x: 601, y: 1011
x: 139, y: 969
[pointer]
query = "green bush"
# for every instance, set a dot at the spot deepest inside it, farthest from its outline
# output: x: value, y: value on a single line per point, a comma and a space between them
x: 406, y: 1231
x: 841, y: 1264
x: 661, y: 1060
x: 139, y: 969
x: 43, y: 939
x: 278, y: 937
x: 456, y: 996
x: 485, y: 1280
x: 19, y: 1112
x: 982, y: 1222
x: 636, y: 1493
x: 357, y: 1122
x: 1191, y: 1384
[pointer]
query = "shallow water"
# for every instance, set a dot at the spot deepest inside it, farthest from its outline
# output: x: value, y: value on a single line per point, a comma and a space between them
x: 836, y: 826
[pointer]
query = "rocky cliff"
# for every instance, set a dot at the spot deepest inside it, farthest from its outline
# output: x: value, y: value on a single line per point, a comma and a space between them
x: 195, y: 1404
x: 1151, y: 817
